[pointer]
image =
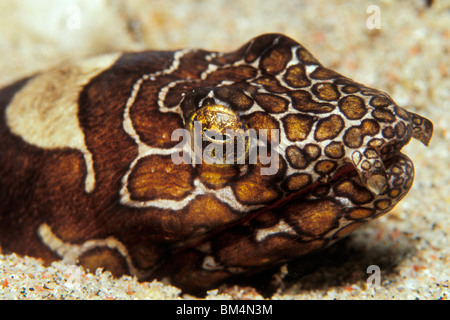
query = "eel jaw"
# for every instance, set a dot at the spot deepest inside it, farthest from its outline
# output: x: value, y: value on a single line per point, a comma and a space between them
x: 370, y: 165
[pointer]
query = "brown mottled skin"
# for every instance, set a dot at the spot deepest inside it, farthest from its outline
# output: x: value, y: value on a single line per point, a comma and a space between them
x: 340, y: 165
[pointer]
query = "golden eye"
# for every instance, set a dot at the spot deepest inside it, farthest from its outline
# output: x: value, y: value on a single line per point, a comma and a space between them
x: 218, y: 135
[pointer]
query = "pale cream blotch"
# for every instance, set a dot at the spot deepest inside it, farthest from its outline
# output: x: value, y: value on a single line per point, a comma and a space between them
x: 44, y: 112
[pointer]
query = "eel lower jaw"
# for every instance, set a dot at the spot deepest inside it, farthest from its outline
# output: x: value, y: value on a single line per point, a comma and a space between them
x: 372, y: 169
x: 377, y: 179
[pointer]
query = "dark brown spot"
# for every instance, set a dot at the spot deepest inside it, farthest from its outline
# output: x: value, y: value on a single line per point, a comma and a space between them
x: 275, y: 60
x: 158, y: 177
x: 147, y: 125
x: 303, y: 101
x: 298, y: 126
x: 207, y: 102
x: 271, y: 84
x: 383, y: 204
x: 175, y: 95
x: 252, y: 190
x: 235, y: 74
x: 380, y: 102
x: 264, y: 220
x: 325, y: 167
x: 271, y: 103
x: 377, y: 164
x: 297, y: 181
x: 297, y: 158
x: 258, y: 47
x: 417, y: 120
x: 206, y: 211
x: 216, y: 177
x: 383, y: 115
x: 353, y: 137
x: 396, y: 170
x: 334, y: 150
x: 352, y: 107
x: 388, y: 132
x: 329, y: 128
x: 357, y: 194
x: 409, y: 170
x: 261, y: 120
x: 304, y: 56
x: 295, y: 76
x: 314, y: 218
x: 322, y: 73
x: 326, y: 91
x: 402, y: 113
x: 400, y: 130
x: 192, y: 100
x: 235, y: 97
x: 194, y: 70
x: 408, y: 183
x: 393, y: 193
x: 350, y: 89
x: 313, y: 151
x: 360, y: 213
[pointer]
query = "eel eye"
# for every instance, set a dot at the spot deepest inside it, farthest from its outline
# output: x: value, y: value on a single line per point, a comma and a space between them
x: 218, y: 135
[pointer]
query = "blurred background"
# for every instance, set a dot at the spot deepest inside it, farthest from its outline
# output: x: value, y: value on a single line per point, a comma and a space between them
x: 401, y: 47
x: 412, y: 38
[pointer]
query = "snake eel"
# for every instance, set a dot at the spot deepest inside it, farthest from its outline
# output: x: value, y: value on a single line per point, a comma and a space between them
x: 88, y: 172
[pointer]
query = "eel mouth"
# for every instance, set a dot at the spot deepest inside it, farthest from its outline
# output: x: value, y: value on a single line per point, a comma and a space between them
x: 392, y: 171
x: 372, y: 166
